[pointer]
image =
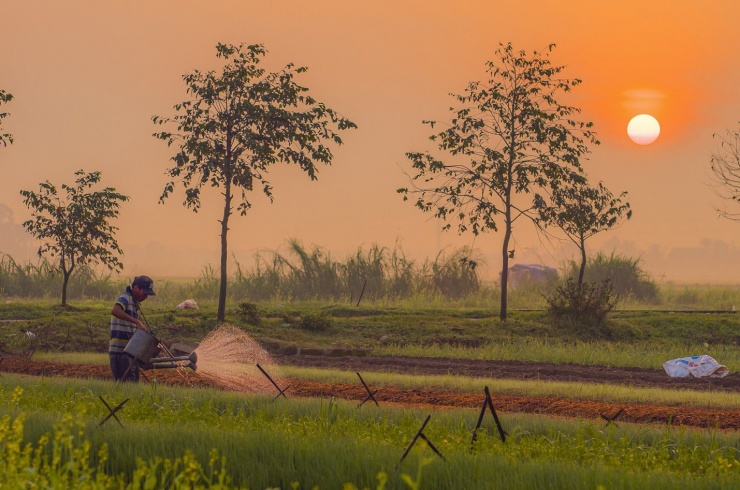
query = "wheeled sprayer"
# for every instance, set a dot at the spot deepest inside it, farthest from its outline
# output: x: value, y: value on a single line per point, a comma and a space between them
x: 144, y: 347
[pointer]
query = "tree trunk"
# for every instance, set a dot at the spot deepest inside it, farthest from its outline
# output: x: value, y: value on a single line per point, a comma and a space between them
x: 227, y: 170
x: 583, y: 262
x: 503, y: 313
x: 505, y: 273
x: 64, y: 286
x: 224, y: 253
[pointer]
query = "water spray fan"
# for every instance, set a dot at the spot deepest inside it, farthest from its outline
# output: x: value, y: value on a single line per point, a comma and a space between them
x: 145, y: 347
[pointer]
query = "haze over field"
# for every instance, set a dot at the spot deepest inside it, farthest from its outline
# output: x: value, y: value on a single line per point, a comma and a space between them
x: 87, y: 76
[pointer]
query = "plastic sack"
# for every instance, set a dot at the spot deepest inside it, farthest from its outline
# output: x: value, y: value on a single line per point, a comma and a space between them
x: 188, y: 304
x: 696, y: 366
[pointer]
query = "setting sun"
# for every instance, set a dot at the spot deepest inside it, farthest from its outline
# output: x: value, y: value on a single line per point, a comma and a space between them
x: 643, y: 129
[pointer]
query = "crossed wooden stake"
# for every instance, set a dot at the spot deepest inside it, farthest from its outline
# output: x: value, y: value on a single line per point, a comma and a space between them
x: 112, y: 411
x: 610, y: 420
x: 370, y: 394
x: 420, y: 435
x: 488, y: 403
x: 281, y: 392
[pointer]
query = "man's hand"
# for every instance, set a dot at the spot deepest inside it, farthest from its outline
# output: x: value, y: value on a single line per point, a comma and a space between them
x: 141, y: 326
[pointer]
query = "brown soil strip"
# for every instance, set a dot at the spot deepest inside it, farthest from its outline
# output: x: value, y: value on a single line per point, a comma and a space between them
x: 638, y: 413
x: 566, y: 407
x: 517, y: 370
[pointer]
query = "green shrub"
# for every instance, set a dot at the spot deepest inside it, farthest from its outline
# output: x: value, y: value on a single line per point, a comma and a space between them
x: 318, y: 321
x: 582, y: 306
x: 624, y: 273
x: 250, y: 313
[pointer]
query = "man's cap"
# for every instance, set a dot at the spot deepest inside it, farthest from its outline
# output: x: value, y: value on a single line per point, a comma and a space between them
x: 145, y: 283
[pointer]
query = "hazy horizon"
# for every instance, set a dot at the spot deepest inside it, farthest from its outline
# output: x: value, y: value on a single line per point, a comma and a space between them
x: 87, y: 77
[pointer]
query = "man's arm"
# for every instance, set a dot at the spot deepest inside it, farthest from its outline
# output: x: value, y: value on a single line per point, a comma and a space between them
x: 118, y: 312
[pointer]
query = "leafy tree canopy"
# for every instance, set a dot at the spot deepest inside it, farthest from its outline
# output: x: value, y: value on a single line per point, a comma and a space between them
x: 725, y: 165
x: 236, y: 125
x: 510, y: 141
x: 240, y: 122
x: 76, y: 227
x: 510, y: 137
x: 582, y: 211
x: 5, y: 138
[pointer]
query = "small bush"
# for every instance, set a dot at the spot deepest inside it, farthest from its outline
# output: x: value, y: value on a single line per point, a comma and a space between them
x: 250, y: 313
x: 316, y: 321
x: 20, y: 342
x: 584, y: 306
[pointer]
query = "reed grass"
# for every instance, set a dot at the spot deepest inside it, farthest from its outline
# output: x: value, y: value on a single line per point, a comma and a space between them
x: 388, y: 276
x: 298, y: 274
x: 43, y: 279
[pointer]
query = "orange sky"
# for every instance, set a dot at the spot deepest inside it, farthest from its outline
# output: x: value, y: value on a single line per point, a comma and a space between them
x: 87, y: 76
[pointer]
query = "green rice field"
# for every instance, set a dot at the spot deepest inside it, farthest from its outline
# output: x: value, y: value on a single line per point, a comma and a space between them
x: 198, y: 438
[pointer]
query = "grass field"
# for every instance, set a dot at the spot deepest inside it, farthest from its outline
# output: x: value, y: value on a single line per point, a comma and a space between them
x: 191, y: 438
x: 328, y: 443
x: 603, y: 353
x: 630, y: 338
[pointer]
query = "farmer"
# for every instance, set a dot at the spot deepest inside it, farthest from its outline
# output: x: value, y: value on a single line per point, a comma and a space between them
x: 123, y: 323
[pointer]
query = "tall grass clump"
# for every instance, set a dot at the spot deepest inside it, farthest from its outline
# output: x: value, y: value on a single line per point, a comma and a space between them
x: 625, y: 274
x: 207, y: 285
x: 378, y: 272
x: 44, y: 279
x: 454, y: 275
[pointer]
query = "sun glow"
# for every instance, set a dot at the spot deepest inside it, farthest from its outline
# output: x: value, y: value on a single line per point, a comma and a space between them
x: 643, y: 129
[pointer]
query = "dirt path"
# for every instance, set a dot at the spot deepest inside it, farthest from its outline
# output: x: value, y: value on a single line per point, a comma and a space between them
x: 517, y: 370
x: 567, y: 407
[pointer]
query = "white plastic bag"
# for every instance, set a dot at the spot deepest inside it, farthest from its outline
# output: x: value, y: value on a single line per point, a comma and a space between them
x: 696, y: 366
x: 188, y: 304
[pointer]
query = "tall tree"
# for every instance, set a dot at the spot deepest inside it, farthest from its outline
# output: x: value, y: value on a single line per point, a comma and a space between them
x: 5, y: 138
x: 510, y: 140
x: 236, y: 125
x: 725, y: 165
x: 77, y: 229
x: 582, y: 211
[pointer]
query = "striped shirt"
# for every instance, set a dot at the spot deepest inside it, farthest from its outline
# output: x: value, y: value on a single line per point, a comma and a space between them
x: 121, y: 331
